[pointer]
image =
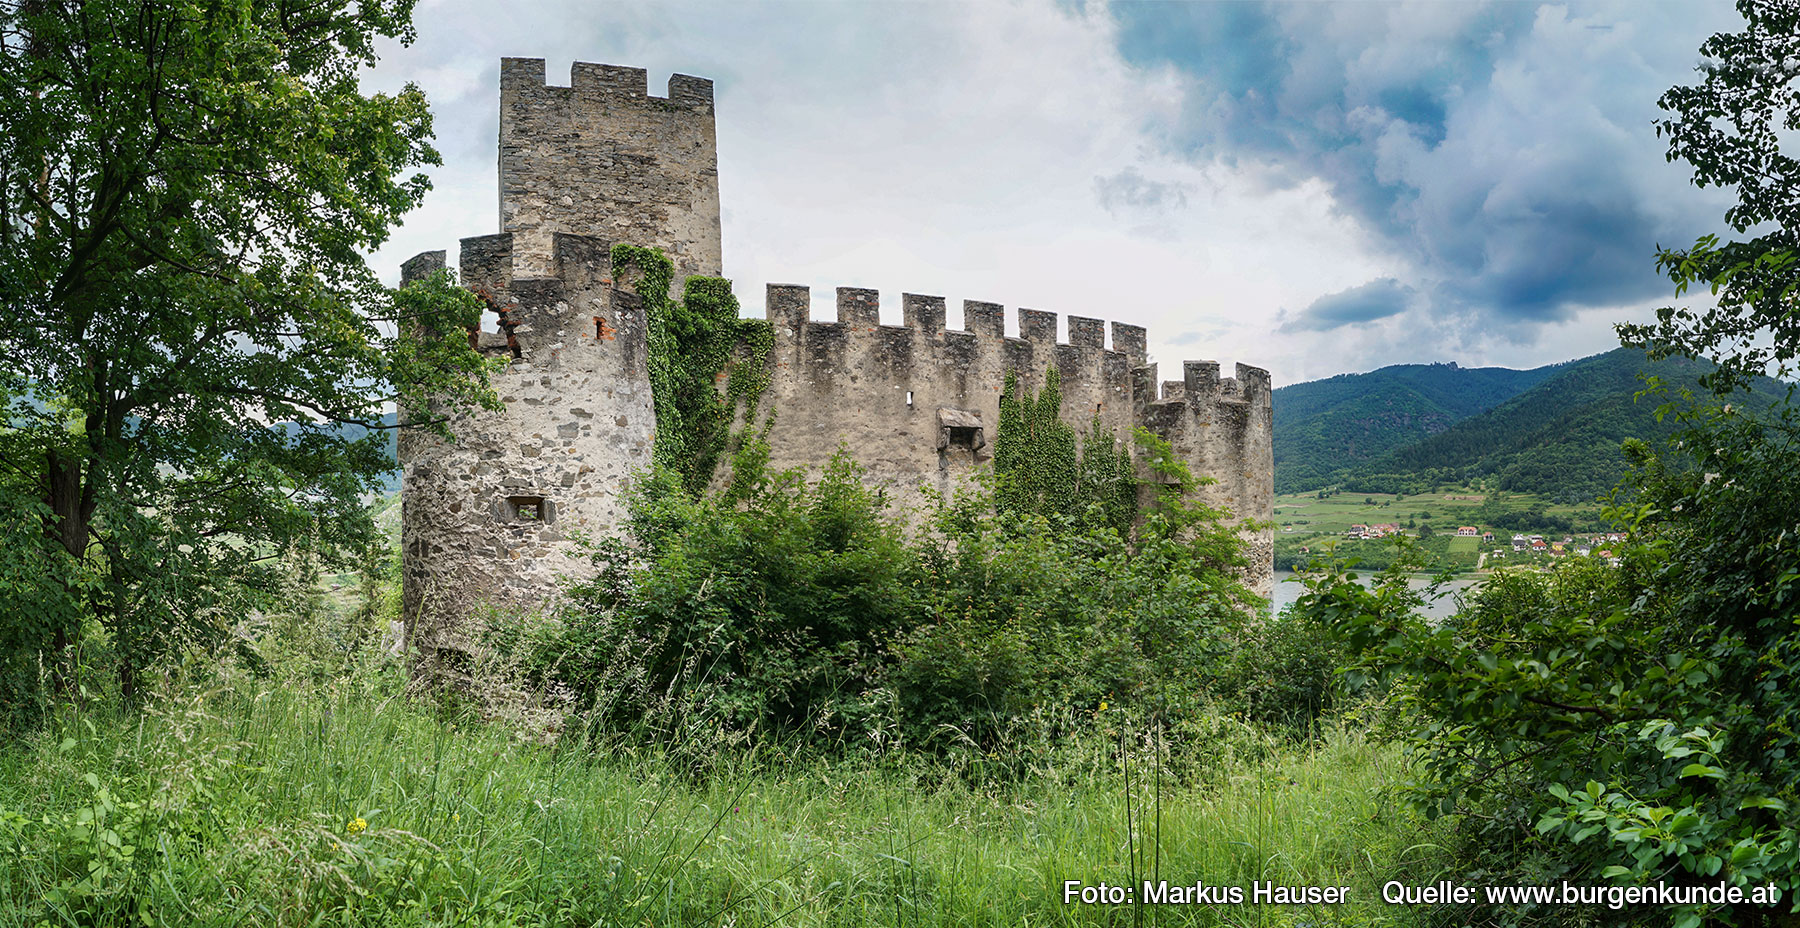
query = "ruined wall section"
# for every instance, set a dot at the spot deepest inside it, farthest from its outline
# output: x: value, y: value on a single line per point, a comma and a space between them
x: 490, y: 518
x: 603, y: 158
x: 918, y: 404
x: 1222, y: 429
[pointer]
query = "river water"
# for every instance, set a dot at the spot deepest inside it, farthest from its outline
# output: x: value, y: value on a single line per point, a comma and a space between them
x: 1287, y: 590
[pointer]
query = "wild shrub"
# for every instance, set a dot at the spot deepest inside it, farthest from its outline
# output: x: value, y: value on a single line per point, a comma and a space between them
x: 766, y: 610
x: 1629, y: 724
x: 1025, y: 612
x: 787, y: 609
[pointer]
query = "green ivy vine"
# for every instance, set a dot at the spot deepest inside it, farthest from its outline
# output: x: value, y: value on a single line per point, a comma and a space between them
x: 1039, y: 469
x: 692, y: 342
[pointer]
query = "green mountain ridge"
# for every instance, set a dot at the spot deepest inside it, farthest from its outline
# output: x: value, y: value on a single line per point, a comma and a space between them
x: 1558, y: 437
x: 1324, y: 426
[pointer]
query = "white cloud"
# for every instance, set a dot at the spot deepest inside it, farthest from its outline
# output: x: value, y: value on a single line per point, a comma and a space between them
x: 934, y: 148
x: 964, y: 150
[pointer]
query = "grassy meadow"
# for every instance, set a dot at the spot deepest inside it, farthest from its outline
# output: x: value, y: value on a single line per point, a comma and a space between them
x: 1305, y: 513
x: 1304, y: 520
x: 250, y: 804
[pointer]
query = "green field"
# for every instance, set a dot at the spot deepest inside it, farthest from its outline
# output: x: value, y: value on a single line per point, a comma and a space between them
x: 1306, y: 523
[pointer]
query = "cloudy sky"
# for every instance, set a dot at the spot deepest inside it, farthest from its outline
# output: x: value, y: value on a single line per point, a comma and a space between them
x: 1313, y: 187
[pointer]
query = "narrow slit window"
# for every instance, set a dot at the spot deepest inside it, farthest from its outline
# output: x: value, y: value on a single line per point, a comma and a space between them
x: 909, y: 397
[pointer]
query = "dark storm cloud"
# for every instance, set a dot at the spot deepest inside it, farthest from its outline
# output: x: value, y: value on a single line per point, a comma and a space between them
x: 1504, y: 154
x: 1377, y: 299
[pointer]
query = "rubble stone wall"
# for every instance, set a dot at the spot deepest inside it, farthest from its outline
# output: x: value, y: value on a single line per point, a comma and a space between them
x: 491, y: 518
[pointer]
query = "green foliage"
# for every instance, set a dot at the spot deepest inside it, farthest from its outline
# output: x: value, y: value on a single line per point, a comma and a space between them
x: 280, y: 806
x: 765, y: 612
x: 1037, y: 468
x: 1636, y: 718
x: 1734, y: 129
x: 1034, y: 450
x: 90, y: 854
x: 44, y: 590
x: 186, y: 194
x: 780, y: 609
x: 1028, y: 613
x: 691, y: 343
x: 1022, y: 616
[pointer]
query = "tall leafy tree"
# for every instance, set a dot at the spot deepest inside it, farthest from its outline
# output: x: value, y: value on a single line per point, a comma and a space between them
x: 1634, y: 723
x: 196, y: 354
x: 1731, y: 128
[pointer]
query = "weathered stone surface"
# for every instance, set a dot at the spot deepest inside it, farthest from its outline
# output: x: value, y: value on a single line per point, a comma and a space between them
x: 603, y: 158
x: 490, y: 518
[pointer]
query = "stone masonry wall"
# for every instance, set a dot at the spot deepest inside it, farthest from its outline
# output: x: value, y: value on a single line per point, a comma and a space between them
x: 1222, y: 429
x: 490, y: 518
x: 602, y: 157
x: 917, y: 404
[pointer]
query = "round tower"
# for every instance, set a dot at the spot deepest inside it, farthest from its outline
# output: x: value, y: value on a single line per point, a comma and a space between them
x: 492, y: 517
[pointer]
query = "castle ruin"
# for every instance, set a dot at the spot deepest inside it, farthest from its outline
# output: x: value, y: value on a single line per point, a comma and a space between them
x: 492, y: 517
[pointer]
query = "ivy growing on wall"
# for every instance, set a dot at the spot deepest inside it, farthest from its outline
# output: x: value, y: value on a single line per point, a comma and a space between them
x: 692, y: 342
x: 1039, y: 469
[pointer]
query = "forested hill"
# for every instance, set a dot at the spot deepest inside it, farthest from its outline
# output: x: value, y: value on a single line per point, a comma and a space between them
x: 390, y: 481
x: 1559, y: 439
x: 1324, y: 428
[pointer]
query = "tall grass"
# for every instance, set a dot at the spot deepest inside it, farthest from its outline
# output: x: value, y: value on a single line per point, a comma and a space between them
x: 258, y: 805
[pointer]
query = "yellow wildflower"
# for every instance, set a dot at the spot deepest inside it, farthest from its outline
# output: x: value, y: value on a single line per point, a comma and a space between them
x: 355, y: 825
x: 1103, y: 705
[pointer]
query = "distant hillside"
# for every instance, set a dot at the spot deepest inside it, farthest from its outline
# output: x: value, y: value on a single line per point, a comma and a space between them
x: 1325, y: 428
x: 1559, y: 439
x: 390, y: 481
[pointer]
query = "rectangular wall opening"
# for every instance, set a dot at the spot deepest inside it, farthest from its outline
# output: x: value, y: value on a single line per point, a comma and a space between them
x: 527, y: 508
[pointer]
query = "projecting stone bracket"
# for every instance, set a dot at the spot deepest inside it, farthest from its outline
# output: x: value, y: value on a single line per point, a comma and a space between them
x: 960, y: 428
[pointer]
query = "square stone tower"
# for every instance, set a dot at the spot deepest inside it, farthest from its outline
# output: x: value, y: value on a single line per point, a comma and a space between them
x: 603, y: 158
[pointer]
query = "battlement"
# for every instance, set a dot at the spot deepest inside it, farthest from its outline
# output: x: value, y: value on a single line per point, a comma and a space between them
x: 790, y: 308
x: 603, y: 158
x: 1201, y: 380
x: 525, y: 77
x: 492, y: 516
x: 490, y: 264
x: 494, y: 263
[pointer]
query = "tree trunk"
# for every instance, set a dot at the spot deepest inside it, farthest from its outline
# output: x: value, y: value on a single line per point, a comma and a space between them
x: 71, y: 501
